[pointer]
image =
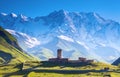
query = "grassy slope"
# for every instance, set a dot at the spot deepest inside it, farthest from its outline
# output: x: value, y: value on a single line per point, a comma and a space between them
x: 91, y: 74
x: 56, y: 71
x: 95, y: 66
x: 8, y: 44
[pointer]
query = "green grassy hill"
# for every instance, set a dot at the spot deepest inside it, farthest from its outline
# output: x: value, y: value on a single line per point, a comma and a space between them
x: 10, y: 52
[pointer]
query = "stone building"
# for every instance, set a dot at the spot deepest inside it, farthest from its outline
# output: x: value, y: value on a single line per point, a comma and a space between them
x: 59, y: 59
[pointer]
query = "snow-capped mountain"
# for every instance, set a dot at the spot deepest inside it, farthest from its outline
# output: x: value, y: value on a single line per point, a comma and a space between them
x: 24, y: 40
x: 78, y: 34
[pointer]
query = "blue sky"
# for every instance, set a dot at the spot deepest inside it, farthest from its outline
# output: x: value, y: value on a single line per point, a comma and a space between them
x: 109, y: 9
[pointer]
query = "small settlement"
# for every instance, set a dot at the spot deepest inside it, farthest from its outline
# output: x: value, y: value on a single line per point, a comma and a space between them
x: 59, y: 59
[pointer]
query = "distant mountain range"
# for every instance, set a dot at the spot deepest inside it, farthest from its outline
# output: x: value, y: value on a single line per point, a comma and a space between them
x: 78, y: 34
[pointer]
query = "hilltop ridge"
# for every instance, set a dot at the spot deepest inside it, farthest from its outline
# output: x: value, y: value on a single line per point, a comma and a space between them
x: 10, y: 51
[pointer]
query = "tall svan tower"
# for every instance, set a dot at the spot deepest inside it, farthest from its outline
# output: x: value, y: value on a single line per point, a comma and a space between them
x: 59, y: 52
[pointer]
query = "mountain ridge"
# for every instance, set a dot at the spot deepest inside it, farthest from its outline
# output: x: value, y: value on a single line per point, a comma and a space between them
x: 89, y: 31
x: 10, y: 52
x: 116, y: 62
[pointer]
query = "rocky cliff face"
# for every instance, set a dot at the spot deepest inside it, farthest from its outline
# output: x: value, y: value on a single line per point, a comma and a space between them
x: 117, y: 62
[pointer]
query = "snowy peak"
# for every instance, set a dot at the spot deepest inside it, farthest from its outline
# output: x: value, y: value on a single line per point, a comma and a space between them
x: 3, y: 14
x: 13, y: 15
x: 25, y: 18
x: 58, y: 16
x: 62, y: 16
x: 63, y: 13
x: 58, y: 13
x: 9, y: 15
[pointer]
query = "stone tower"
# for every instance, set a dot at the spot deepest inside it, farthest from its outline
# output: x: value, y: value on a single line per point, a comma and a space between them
x: 59, y: 52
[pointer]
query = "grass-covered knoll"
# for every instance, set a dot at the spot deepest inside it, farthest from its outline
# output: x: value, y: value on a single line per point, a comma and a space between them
x: 10, y: 52
x: 34, y: 69
x: 90, y: 74
x: 91, y: 66
x: 11, y: 55
x: 7, y: 69
x: 17, y: 55
x: 14, y: 70
x: 96, y: 69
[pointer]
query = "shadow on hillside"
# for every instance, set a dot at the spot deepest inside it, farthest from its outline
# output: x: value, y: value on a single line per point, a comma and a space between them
x: 21, y: 71
x: 6, y: 56
x: 67, y: 71
x: 24, y: 73
x: 64, y: 64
